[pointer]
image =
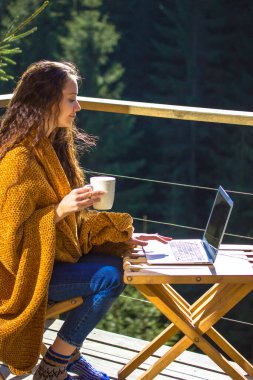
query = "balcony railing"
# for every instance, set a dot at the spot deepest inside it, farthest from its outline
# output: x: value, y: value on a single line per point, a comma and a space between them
x: 159, y: 110
x: 162, y: 111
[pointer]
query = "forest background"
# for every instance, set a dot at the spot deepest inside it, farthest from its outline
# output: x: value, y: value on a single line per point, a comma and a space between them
x: 183, y: 52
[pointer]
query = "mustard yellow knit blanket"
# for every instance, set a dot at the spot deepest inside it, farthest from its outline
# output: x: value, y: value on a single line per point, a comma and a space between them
x: 30, y: 242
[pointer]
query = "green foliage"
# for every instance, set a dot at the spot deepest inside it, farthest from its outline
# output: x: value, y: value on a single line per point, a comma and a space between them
x: 90, y: 41
x: 132, y: 305
x: 12, y: 35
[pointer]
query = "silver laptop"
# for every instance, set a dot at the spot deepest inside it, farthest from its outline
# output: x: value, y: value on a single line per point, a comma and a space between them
x: 195, y: 251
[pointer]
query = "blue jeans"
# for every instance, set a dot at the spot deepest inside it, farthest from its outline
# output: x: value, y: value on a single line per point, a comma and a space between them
x: 98, y: 279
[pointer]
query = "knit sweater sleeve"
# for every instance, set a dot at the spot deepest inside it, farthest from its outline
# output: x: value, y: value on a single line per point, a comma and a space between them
x: 107, y: 229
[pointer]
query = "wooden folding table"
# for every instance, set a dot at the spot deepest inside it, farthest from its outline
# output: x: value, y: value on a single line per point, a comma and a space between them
x: 231, y: 277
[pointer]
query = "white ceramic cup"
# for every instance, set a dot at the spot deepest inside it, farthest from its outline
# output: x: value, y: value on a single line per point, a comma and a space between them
x: 106, y: 184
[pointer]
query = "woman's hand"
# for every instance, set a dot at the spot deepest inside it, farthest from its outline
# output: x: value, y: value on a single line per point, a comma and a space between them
x: 143, y: 239
x: 76, y: 200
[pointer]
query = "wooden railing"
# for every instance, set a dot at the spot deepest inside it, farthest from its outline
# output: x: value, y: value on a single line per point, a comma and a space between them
x: 159, y: 110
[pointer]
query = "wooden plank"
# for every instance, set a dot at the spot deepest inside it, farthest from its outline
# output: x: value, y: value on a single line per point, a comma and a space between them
x: 63, y: 306
x: 125, y: 348
x: 240, y: 247
x: 159, y: 110
x: 135, y: 345
x: 229, y: 267
x: 96, y: 351
x: 117, y: 358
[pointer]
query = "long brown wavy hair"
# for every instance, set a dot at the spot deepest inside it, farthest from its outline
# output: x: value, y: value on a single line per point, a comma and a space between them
x: 35, y: 100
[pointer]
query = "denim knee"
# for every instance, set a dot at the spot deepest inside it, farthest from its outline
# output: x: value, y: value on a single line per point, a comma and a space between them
x: 105, y: 286
x: 109, y: 278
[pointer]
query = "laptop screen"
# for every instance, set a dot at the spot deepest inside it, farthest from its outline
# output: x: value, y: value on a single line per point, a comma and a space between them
x: 218, y: 219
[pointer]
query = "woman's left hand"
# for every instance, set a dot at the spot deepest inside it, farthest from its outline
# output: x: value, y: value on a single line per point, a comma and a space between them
x: 143, y: 239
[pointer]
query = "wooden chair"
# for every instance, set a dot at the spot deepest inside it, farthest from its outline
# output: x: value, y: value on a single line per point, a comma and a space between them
x: 57, y: 308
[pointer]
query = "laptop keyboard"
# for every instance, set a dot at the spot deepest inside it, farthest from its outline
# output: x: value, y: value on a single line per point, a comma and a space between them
x: 187, y: 251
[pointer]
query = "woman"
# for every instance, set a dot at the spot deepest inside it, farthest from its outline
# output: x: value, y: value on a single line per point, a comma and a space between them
x: 47, y: 230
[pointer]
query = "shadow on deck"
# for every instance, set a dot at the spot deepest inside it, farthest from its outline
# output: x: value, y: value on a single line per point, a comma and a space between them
x: 108, y: 352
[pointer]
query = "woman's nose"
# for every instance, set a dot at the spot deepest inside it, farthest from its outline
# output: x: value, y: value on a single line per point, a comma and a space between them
x: 77, y: 107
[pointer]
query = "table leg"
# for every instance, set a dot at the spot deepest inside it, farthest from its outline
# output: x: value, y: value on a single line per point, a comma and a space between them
x: 231, y: 295
x: 147, y: 351
x: 230, y: 351
x: 168, y: 333
x: 157, y: 295
x: 166, y: 359
x: 161, y: 339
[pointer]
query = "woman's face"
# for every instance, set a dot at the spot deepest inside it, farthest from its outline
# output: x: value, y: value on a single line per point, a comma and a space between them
x: 68, y: 106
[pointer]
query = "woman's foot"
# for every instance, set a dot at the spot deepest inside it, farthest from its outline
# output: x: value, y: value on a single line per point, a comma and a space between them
x: 79, y: 365
x: 53, y: 367
x: 48, y: 372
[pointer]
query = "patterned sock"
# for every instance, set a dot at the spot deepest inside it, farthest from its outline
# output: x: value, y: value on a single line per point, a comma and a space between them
x: 55, y: 359
x: 79, y: 365
x: 53, y: 367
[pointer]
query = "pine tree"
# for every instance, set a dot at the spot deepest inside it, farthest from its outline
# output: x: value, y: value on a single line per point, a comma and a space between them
x: 229, y: 64
x: 162, y: 62
x: 134, y: 20
x: 90, y: 42
x: 12, y: 35
x: 175, y: 78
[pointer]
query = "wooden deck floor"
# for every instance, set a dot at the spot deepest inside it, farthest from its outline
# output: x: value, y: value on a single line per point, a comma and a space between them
x: 108, y: 352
